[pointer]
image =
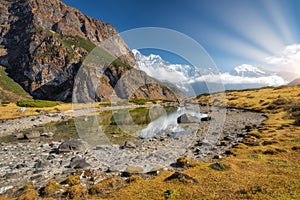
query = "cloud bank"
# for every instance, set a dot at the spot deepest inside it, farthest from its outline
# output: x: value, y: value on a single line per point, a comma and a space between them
x: 289, y: 58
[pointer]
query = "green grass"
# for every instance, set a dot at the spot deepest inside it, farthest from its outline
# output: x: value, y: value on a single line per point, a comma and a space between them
x: 37, y: 103
x: 8, y: 85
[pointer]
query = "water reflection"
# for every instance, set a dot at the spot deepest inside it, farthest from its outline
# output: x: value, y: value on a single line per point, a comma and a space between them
x: 117, y: 126
x: 167, y: 124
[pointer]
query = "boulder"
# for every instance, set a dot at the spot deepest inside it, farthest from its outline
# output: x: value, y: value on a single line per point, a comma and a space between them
x: 181, y: 177
x: 79, y: 163
x: 72, y: 145
x: 32, y: 134
x: 187, y: 118
x: 205, y: 117
x: 47, y: 134
x: 41, y: 164
x: 128, y: 145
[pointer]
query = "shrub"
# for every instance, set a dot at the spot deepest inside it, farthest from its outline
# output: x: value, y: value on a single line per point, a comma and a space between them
x: 37, y: 103
x: 52, y: 187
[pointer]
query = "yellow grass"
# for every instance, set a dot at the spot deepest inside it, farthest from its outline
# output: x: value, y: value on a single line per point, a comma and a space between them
x: 255, y: 172
x: 11, y: 111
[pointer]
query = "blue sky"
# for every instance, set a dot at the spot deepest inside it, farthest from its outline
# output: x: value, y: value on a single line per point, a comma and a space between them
x: 233, y: 32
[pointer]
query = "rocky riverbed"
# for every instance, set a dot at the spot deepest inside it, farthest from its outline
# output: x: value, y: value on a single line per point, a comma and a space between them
x: 39, y: 162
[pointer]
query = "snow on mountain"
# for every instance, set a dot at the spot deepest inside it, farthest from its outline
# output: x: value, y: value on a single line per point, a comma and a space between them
x: 182, y: 75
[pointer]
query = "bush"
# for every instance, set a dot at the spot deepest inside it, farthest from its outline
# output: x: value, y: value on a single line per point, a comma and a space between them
x: 139, y: 101
x: 37, y: 103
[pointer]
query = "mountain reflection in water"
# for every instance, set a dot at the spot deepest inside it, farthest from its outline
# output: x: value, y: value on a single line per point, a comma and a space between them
x: 167, y: 124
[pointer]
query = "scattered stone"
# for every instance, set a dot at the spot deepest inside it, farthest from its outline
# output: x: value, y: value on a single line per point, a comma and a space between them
x: 128, y: 145
x: 22, y: 165
x: 72, y: 145
x: 41, y: 164
x: 79, y: 163
x: 205, y: 118
x: 181, y: 177
x: 47, y: 134
x: 32, y: 135
x: 184, y: 162
x: 187, y: 118
x: 270, y: 152
x: 132, y: 170
x: 281, y: 150
x: 21, y: 110
x: 5, y: 189
x: 219, y: 166
x: 296, y: 148
x: 269, y: 142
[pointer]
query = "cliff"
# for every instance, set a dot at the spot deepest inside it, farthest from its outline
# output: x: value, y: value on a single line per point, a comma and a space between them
x: 44, y: 43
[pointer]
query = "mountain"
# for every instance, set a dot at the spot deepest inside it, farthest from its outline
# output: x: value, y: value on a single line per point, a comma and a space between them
x: 294, y: 82
x: 194, y: 80
x: 250, y: 71
x: 43, y: 45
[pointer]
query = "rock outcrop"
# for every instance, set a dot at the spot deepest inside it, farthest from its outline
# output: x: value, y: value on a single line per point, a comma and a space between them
x: 44, y: 43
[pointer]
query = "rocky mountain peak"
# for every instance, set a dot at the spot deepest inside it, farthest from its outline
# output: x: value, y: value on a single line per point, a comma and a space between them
x: 44, y: 43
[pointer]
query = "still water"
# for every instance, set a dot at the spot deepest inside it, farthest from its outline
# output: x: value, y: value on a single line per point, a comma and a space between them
x: 115, y: 127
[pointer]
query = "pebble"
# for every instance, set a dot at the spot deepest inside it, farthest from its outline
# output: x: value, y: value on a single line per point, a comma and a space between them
x: 36, y: 161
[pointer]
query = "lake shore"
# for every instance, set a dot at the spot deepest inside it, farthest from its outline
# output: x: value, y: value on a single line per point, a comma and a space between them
x: 40, y: 162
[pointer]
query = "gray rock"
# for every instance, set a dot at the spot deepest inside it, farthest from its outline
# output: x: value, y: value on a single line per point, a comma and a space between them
x: 47, y: 134
x: 32, y: 134
x: 187, y: 118
x: 205, y: 118
x: 128, y: 145
x: 72, y: 145
x: 41, y: 164
x: 23, y: 109
x: 79, y: 163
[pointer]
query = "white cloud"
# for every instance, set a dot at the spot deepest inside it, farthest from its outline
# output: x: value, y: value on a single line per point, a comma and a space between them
x: 227, y: 78
x: 289, y: 58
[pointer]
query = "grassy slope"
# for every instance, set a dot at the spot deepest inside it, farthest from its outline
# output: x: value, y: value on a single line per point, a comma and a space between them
x: 255, y: 172
x: 10, y: 91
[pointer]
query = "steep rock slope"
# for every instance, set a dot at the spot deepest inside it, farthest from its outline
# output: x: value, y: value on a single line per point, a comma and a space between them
x: 44, y: 43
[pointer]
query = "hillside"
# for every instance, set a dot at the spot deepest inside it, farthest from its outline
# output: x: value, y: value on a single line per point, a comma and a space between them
x: 295, y: 82
x: 10, y: 91
x: 44, y: 44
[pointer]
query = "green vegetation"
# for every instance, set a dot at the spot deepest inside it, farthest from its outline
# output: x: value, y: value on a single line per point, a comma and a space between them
x: 10, y: 91
x: 80, y: 42
x: 37, y: 103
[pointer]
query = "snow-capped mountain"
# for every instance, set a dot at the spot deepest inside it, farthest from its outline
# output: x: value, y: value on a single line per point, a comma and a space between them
x: 194, y: 80
x: 162, y: 70
x: 246, y: 70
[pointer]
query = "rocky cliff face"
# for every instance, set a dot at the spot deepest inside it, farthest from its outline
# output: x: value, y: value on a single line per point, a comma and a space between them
x: 44, y: 43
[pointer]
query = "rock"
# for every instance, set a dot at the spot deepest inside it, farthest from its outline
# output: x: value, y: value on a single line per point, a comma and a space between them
x: 219, y: 166
x: 32, y: 135
x: 23, y: 109
x: 132, y: 170
x: 205, y: 117
x: 22, y: 165
x: 79, y: 163
x: 47, y: 134
x: 269, y: 142
x: 181, y: 177
x: 5, y: 188
x: 128, y: 145
x: 187, y: 118
x: 72, y: 145
x: 184, y: 162
x: 40, y: 164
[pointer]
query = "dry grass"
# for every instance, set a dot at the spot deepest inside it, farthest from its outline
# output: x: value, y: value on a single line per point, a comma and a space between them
x: 11, y: 110
x: 270, y: 170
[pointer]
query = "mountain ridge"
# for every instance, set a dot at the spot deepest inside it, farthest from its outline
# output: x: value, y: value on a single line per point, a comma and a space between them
x: 241, y: 77
x: 44, y: 43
